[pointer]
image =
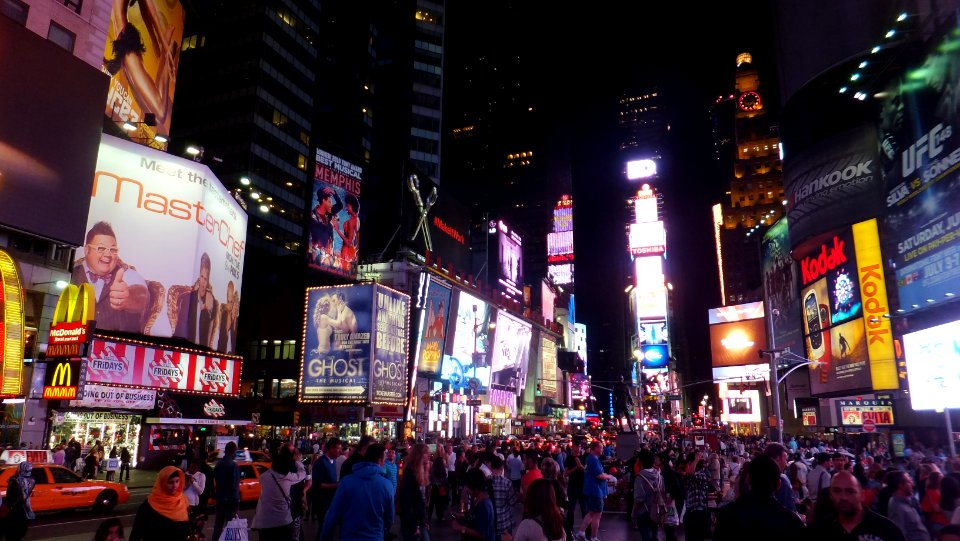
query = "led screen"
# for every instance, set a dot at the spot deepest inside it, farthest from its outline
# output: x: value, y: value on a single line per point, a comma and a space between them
x: 933, y: 367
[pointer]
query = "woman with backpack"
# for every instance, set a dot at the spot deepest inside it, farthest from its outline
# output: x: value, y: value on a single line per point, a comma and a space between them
x: 649, y: 498
x: 544, y: 521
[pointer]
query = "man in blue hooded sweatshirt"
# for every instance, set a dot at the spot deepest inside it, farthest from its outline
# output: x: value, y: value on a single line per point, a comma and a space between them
x: 363, y: 504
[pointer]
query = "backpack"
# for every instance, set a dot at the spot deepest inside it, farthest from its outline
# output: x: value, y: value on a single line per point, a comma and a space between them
x: 656, y: 505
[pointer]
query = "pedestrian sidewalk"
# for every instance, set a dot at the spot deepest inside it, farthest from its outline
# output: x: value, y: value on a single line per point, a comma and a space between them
x: 138, y: 478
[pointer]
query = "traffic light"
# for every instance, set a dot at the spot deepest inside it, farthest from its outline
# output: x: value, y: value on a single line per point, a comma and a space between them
x: 296, y: 418
x: 539, y: 391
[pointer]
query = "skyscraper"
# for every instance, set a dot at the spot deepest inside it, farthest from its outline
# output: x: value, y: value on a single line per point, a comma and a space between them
x: 755, y: 183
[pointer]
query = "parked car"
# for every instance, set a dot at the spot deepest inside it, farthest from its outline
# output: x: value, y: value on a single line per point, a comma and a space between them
x: 60, y: 489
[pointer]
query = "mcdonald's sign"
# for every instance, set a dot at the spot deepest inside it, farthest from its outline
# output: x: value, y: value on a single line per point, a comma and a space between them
x: 72, y: 321
x: 61, y: 380
x: 11, y: 327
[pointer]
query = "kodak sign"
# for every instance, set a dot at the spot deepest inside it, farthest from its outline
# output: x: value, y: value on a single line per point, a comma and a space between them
x: 11, y: 327
x: 831, y: 255
x: 72, y: 321
x: 873, y: 291
x: 61, y: 380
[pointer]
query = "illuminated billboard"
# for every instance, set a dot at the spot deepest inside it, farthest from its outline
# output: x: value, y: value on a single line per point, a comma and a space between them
x: 781, y: 286
x: 50, y: 125
x: 511, y: 350
x: 637, y: 169
x: 645, y: 205
x: 143, y: 51
x: 654, y: 355
x: 433, y: 329
x: 337, y: 338
x: 854, y: 412
x: 740, y: 406
x: 471, y: 332
x: 11, y: 327
x: 510, y: 260
x: 843, y: 303
x: 548, y: 367
x: 548, y: 301
x: 388, y: 370
x: 562, y: 274
x: 933, y: 367
x: 334, y: 227
x: 164, y: 247
x: 652, y: 332
x: 123, y: 363
x: 919, y: 114
x: 464, y: 376
x: 737, y: 343
x: 735, y: 312
x: 647, y: 238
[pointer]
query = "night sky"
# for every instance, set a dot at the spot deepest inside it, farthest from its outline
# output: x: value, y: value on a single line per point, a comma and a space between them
x: 580, y: 62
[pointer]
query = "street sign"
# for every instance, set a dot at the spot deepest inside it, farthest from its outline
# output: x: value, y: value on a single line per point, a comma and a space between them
x: 674, y: 397
x: 474, y: 402
x: 869, y: 425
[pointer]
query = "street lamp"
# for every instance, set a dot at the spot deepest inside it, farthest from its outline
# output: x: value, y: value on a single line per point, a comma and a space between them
x: 775, y: 356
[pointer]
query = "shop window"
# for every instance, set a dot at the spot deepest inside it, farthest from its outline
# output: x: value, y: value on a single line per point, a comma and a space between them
x: 61, y: 475
x: 289, y: 349
x: 287, y: 388
x: 169, y: 437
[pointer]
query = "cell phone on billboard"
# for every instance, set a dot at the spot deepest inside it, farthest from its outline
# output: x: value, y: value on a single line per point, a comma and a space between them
x: 811, y: 310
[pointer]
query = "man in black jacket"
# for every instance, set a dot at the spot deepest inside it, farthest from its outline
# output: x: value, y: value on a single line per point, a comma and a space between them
x: 227, y: 490
x: 756, y: 514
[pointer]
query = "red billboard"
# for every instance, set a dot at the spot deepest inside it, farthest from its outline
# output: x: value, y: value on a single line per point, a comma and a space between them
x: 147, y: 366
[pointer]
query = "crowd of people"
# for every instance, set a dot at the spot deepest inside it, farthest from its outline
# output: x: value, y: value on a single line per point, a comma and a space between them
x: 532, y: 491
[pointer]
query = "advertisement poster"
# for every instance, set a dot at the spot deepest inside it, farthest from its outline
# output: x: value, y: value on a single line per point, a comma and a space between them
x: 434, y: 328
x: 464, y: 376
x: 511, y: 350
x: 781, y: 285
x: 471, y: 334
x: 849, y: 366
x: 112, y: 362
x: 101, y: 396
x: 388, y: 376
x: 548, y: 367
x: 737, y: 343
x: 143, y: 51
x: 42, y: 86
x: 510, y: 258
x: 933, y: 366
x: 833, y: 183
x: 334, y: 228
x: 919, y: 151
x: 855, y: 412
x: 164, y: 247
x: 337, y: 335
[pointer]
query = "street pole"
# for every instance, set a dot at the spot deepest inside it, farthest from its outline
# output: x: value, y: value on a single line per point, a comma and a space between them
x: 775, y: 382
x: 946, y: 415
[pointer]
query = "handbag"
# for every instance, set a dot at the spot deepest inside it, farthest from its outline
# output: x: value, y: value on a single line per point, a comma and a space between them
x: 235, y: 530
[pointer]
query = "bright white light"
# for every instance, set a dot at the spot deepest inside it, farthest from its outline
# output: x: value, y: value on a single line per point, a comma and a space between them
x: 855, y: 76
x: 254, y: 195
x: 264, y: 208
x: 875, y: 50
x: 890, y: 33
x: 61, y: 284
x: 160, y: 138
x: 192, y: 150
x: 902, y: 17
x: 129, y: 127
x: 245, y: 181
x: 637, y: 169
x: 784, y: 202
x: 863, y: 64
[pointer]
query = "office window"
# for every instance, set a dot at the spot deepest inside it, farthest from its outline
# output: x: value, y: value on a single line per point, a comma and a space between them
x: 75, y: 5
x: 301, y: 162
x: 61, y: 36
x: 16, y: 10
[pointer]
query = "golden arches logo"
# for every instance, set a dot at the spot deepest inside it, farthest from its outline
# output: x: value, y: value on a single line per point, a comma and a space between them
x: 11, y: 336
x: 77, y: 304
x: 61, y: 375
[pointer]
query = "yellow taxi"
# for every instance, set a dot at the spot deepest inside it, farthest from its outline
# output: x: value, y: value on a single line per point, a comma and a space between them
x: 60, y: 489
x: 249, y: 481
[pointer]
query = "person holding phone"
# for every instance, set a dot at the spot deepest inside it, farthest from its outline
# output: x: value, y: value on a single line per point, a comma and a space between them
x: 478, y: 524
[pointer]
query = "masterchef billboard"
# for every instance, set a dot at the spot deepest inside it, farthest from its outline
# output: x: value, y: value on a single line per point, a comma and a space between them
x: 164, y: 247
